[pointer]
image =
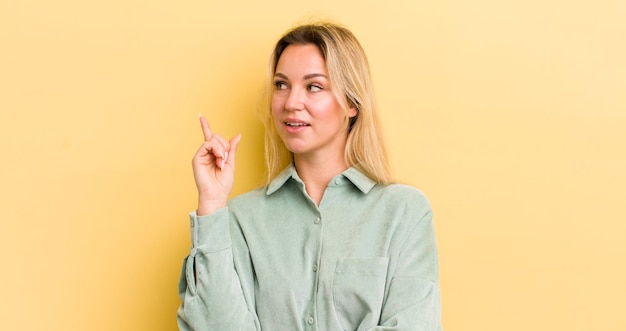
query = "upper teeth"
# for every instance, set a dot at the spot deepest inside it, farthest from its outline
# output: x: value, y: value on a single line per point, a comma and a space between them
x: 295, y: 124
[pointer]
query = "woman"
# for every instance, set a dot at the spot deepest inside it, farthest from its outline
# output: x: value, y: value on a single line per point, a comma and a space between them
x: 328, y: 243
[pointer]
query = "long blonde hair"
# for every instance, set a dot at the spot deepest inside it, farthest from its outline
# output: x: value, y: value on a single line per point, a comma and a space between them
x: 349, y: 75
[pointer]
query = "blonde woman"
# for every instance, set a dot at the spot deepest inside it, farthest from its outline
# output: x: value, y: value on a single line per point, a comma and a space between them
x: 329, y: 243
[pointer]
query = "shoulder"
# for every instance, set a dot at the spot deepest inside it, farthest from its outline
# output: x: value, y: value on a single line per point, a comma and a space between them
x: 402, y: 199
x: 250, y: 198
x: 403, y: 190
x: 401, y: 194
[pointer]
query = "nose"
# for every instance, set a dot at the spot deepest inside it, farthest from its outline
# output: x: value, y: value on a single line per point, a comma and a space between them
x: 295, y: 100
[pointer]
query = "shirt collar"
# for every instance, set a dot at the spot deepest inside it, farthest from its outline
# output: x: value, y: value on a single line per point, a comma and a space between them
x: 281, y: 179
x: 357, y: 178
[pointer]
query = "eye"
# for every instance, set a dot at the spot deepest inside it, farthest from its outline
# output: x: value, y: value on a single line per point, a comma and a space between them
x: 280, y: 85
x: 314, y: 88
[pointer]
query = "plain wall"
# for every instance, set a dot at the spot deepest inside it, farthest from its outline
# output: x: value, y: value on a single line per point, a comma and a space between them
x: 509, y: 115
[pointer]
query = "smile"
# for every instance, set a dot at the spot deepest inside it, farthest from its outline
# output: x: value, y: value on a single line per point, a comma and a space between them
x: 296, y: 124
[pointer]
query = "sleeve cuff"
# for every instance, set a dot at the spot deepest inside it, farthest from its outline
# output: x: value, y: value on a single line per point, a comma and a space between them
x: 210, y: 233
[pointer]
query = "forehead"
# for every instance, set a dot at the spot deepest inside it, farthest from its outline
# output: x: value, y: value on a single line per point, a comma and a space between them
x: 301, y: 58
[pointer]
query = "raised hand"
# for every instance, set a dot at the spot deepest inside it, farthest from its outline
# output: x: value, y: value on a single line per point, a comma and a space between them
x: 214, y: 169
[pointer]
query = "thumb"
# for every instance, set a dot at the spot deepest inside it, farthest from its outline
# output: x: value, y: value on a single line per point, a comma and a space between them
x: 233, y: 150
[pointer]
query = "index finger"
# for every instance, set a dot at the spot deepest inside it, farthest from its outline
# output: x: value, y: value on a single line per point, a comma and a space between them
x: 206, y: 129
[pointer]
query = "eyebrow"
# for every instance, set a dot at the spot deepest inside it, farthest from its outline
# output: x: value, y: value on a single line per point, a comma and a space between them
x: 309, y: 76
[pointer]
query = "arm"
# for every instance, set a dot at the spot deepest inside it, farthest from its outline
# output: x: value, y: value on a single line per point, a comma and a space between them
x: 210, y: 288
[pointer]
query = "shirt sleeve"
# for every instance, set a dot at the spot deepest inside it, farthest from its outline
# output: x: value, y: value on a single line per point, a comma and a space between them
x: 413, y: 302
x: 210, y: 288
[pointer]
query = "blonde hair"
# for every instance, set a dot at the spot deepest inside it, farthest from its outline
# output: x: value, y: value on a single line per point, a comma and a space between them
x: 349, y: 75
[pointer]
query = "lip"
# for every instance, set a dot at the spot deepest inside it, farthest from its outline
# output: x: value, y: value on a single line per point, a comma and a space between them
x: 300, y: 125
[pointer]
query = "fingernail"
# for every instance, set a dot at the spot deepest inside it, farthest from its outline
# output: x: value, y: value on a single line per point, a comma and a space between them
x: 223, y: 163
x: 226, y: 156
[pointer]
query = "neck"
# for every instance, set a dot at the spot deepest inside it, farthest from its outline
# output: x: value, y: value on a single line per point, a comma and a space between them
x: 317, y: 173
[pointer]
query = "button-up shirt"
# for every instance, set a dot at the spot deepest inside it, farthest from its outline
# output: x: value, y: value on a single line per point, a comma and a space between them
x: 364, y: 259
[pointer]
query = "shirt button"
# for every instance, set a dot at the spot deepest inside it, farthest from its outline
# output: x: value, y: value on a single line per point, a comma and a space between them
x: 315, y: 267
x: 311, y: 320
x: 337, y: 181
x: 317, y: 221
x: 192, y: 223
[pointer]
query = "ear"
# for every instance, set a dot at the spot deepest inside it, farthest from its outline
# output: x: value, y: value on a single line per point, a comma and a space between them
x: 353, y: 114
x: 353, y: 110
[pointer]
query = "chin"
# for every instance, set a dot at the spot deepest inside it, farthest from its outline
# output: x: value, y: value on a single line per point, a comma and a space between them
x: 296, y: 149
x: 294, y: 146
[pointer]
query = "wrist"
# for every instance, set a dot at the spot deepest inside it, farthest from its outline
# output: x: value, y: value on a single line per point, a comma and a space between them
x: 206, y: 207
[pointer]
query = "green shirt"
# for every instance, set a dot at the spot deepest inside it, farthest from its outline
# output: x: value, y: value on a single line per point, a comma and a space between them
x: 365, y: 259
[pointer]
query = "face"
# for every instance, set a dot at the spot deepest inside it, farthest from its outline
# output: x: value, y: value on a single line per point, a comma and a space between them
x: 306, y: 113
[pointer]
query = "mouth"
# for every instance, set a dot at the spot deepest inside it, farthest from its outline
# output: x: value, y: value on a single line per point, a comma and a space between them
x: 296, y: 124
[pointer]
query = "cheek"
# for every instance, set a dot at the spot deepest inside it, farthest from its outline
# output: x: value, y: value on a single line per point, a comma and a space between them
x: 274, y: 106
x: 277, y: 104
x: 275, y: 109
x: 331, y: 110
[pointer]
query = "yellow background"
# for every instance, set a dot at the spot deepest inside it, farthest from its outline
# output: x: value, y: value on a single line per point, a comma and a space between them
x: 509, y: 115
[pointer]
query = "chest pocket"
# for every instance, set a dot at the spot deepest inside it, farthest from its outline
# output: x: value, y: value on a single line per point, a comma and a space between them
x: 358, y: 291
